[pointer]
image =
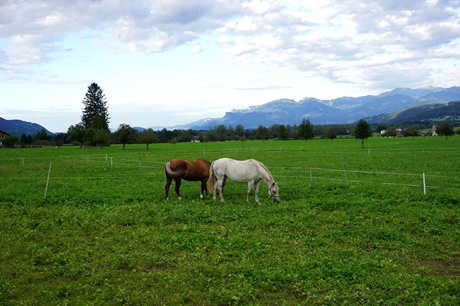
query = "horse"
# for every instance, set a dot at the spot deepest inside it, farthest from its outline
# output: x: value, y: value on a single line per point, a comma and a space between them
x: 251, y: 171
x: 177, y: 169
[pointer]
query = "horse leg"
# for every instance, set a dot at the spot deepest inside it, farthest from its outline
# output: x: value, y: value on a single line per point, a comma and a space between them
x: 203, y: 188
x: 167, y: 185
x: 256, y: 191
x: 224, y: 182
x: 220, y: 186
x: 214, y: 190
x: 250, y: 186
x: 178, y: 182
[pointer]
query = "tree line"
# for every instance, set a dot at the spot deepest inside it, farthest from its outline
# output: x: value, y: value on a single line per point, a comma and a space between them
x: 93, y: 130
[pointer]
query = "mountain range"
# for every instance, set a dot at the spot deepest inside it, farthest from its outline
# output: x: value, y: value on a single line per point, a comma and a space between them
x: 430, y: 113
x: 336, y: 111
x: 389, y: 107
x: 18, y: 127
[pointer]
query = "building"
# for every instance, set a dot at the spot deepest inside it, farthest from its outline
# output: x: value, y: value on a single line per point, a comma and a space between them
x: 3, y: 134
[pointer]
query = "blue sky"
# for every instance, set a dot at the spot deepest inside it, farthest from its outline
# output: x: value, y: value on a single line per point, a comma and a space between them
x: 170, y: 62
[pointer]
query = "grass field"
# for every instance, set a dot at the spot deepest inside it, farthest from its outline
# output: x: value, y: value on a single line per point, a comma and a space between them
x: 354, y: 226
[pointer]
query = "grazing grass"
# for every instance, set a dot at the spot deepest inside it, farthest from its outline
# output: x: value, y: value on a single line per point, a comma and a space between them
x: 353, y: 226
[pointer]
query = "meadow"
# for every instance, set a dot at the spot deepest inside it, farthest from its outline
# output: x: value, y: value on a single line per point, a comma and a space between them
x: 373, y: 226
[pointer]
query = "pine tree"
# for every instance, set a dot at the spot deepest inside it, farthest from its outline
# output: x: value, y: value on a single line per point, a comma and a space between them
x: 95, y: 113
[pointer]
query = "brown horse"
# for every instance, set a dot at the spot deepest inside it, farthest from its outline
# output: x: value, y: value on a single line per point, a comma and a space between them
x: 177, y: 169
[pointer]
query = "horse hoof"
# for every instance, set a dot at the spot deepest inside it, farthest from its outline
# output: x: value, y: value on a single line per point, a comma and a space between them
x: 180, y: 198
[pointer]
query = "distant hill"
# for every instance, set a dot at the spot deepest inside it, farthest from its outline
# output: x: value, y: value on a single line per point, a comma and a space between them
x: 394, y: 106
x: 336, y: 111
x: 18, y: 127
x: 426, y: 112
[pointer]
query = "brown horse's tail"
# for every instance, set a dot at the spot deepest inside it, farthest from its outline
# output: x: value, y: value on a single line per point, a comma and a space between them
x: 167, y: 176
x: 212, y: 179
x: 169, y: 172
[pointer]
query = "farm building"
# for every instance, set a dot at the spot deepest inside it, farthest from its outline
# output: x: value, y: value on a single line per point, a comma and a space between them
x: 3, y: 134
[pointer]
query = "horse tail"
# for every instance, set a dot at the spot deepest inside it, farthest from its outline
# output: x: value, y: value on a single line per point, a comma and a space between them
x: 169, y: 172
x: 212, y: 178
x: 166, y: 175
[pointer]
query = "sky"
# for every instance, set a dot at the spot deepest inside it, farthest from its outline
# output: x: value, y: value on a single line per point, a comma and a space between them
x: 162, y: 63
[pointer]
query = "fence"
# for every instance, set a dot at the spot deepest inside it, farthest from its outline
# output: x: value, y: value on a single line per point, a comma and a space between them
x: 422, y: 181
x: 347, y: 177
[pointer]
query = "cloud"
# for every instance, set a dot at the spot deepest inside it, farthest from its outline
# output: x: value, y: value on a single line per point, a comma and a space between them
x: 348, y: 41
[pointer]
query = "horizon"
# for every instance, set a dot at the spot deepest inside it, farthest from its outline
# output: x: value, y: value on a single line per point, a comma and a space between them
x: 179, y: 127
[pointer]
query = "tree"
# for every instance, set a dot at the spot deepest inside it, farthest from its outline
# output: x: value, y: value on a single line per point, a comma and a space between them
x: 95, y: 112
x: 211, y: 135
x: 101, y: 137
x: 148, y: 136
x: 262, y: 133
x: 390, y: 131
x: 330, y: 133
x: 242, y: 139
x: 306, y: 130
x: 362, y: 131
x: 26, y: 139
x: 445, y: 129
x: 411, y: 131
x: 41, y: 137
x: 125, y: 134
x: 185, y: 135
x: 221, y: 131
x: 239, y: 130
x: 77, y: 132
x: 282, y: 132
x: 9, y: 141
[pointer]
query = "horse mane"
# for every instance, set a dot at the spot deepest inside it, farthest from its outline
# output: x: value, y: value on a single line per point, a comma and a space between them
x: 266, y: 169
x: 204, y: 160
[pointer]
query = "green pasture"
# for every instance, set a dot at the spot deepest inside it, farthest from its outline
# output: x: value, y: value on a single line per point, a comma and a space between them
x: 372, y: 226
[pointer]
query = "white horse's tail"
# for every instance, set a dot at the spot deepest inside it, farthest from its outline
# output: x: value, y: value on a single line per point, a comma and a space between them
x: 212, y: 178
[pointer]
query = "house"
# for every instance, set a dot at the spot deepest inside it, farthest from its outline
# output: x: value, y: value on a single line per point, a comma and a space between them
x: 3, y: 134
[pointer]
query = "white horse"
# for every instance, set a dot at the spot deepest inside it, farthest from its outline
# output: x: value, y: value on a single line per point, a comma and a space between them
x: 251, y: 171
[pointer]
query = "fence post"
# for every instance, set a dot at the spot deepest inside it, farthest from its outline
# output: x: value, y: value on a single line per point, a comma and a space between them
x: 424, y: 183
x: 344, y: 172
x: 48, y: 180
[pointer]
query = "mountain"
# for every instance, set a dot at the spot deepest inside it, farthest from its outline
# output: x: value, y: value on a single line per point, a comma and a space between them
x: 426, y: 112
x: 18, y: 127
x: 335, y: 111
x: 389, y: 107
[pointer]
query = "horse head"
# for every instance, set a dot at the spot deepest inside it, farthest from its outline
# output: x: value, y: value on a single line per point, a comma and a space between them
x: 273, y: 191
